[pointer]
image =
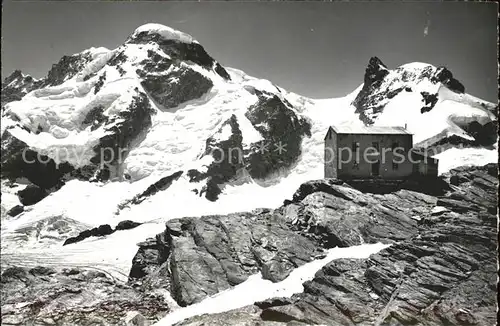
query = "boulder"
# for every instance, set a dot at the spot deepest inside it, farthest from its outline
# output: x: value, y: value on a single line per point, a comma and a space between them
x: 16, y: 210
x: 31, y: 195
x: 126, y: 225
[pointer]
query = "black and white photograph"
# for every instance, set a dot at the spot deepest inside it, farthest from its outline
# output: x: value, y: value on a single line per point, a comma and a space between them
x: 249, y: 163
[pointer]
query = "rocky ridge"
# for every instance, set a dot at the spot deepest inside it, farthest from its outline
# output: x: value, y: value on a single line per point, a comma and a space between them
x: 443, y: 273
x: 75, y: 296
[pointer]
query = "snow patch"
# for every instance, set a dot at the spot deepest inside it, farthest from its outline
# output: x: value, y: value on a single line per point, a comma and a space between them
x: 255, y: 288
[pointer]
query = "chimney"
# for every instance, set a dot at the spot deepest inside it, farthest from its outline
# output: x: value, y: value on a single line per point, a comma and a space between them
x: 405, y: 125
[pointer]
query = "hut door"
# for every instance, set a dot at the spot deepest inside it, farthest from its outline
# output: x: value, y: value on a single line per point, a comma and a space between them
x: 376, y: 169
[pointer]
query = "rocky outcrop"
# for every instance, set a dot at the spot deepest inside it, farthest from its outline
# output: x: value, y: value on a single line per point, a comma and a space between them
x: 46, y: 296
x: 213, y: 253
x: 31, y: 195
x: 282, y: 131
x: 16, y: 210
x: 170, y: 82
x: 429, y: 101
x: 123, y: 129
x: 126, y: 225
x: 160, y: 185
x: 445, y: 77
x: 443, y: 274
x: 67, y: 67
x: 19, y: 161
x: 228, y: 159
x: 180, y: 51
x: 101, y: 231
x: 381, y: 85
x: 16, y: 85
x: 195, y: 258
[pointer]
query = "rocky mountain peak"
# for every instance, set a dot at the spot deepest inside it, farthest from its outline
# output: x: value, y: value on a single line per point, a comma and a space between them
x: 382, y: 84
x: 177, y: 45
x: 375, y: 71
x: 16, y: 85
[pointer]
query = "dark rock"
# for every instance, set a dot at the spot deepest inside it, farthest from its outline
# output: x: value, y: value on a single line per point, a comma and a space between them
x: 15, y: 86
x: 66, y: 68
x: 445, y: 76
x: 178, y: 86
x: 210, y: 254
x: 282, y: 130
x: 95, y: 117
x: 16, y: 210
x: 126, y: 225
x: 160, y: 185
x: 310, y: 187
x: 181, y: 51
x: 19, y: 161
x: 123, y: 128
x: 41, y: 270
x: 100, y: 231
x: 429, y: 100
x: 445, y: 273
x: 31, y: 195
x: 454, y: 180
x: 152, y: 254
x: 274, y: 302
x: 12, y: 273
x: 228, y: 160
x: 100, y: 83
x: 44, y: 296
x: 484, y: 135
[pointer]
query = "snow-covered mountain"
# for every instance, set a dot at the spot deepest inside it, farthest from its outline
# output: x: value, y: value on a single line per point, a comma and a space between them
x: 157, y: 129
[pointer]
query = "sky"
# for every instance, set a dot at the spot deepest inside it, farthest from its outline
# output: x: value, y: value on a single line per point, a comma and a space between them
x: 316, y: 49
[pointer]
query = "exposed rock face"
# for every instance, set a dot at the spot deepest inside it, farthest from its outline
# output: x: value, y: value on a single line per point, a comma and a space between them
x: 16, y: 210
x: 19, y: 161
x: 170, y: 82
x: 181, y: 51
x: 195, y: 258
x: 45, y: 296
x: 282, y: 131
x: 66, y: 68
x: 382, y: 84
x: 443, y: 274
x: 160, y: 185
x: 126, y: 225
x: 445, y: 77
x: 31, y: 195
x: 484, y: 135
x: 228, y: 159
x: 16, y: 85
x: 124, y: 127
x: 101, y: 230
x: 213, y: 253
x: 281, y: 128
x: 336, y: 214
